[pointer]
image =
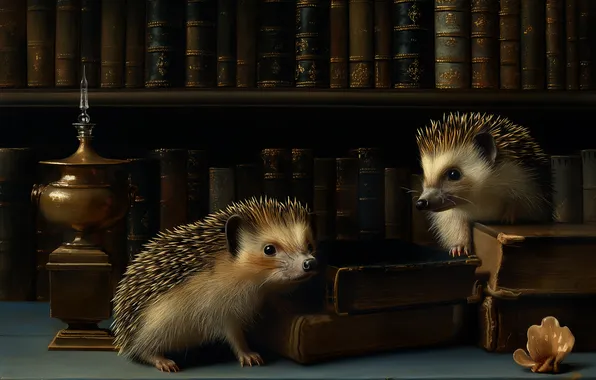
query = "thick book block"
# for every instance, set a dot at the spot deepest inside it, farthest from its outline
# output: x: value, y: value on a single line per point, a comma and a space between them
x: 371, y: 193
x: 509, y: 45
x: 41, y: 30
x: 537, y: 259
x: 324, y: 198
x: 533, y: 43
x: 221, y: 188
x: 174, y: 191
x: 452, y: 44
x: 277, y: 173
x: 586, y: 37
x: 346, y: 198
x: 589, y: 185
x: 555, y: 44
x: 113, y: 37
x: 312, y: 43
x: 365, y: 277
x: 361, y: 43
x: 201, y: 43
x: 246, y: 36
x: 567, y: 188
x: 68, y: 16
x: 302, y: 176
x: 338, y: 44
x: 91, y: 35
x: 571, y: 45
x: 13, y: 42
x: 484, y: 31
x: 226, y: 43
x: 197, y: 170
x: 383, y: 30
x: 134, y: 73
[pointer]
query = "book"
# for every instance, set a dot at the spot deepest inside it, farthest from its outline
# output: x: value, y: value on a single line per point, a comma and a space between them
x: 248, y: 179
x: 246, y: 35
x: 361, y: 44
x: 509, y: 45
x: 221, y: 188
x: 277, y: 173
x: 346, y: 198
x: 338, y: 45
x: 585, y: 38
x: 555, y: 44
x: 201, y: 43
x: 312, y: 43
x: 68, y: 17
x: 589, y: 185
x: 484, y: 32
x: 113, y: 38
x: 13, y: 39
x: 302, y: 176
x: 567, y: 188
x: 91, y: 34
x: 452, y: 44
x: 41, y: 30
x: 532, y: 44
x: 134, y: 73
x: 226, y: 43
x: 324, y: 198
x: 276, y: 47
x: 571, y: 45
x: 174, y: 191
x: 383, y: 30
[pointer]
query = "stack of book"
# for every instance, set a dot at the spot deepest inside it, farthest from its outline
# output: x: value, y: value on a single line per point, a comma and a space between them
x: 374, y: 296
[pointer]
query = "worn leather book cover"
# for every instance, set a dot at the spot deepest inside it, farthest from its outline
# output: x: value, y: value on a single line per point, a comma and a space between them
x: 221, y: 188
x: 555, y: 44
x: 41, y: 30
x: 485, y: 44
x: 134, y: 75
x: 571, y: 45
x: 91, y: 35
x: 371, y: 276
x: 586, y: 37
x: 113, y: 37
x: 383, y: 30
x: 302, y: 176
x: 509, y: 45
x: 537, y: 259
x: 174, y: 191
x: 277, y: 173
x: 246, y: 36
x: 371, y: 193
x: 533, y: 44
x: 312, y: 43
x: 13, y: 39
x: 361, y: 43
x: 566, y: 174
x: 276, y: 63
x: 324, y: 198
x: 338, y: 45
x: 589, y: 185
x: 68, y: 17
x: 197, y: 169
x: 201, y: 43
x: 346, y: 198
x: 504, y: 322
x: 452, y: 44
x: 226, y: 43
x: 309, y: 338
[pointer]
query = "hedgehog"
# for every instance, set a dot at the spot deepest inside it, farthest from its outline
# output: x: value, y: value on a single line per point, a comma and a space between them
x: 480, y: 167
x: 204, y: 282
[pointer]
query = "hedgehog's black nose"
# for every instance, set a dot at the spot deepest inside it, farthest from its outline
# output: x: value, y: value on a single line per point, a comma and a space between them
x: 421, y: 204
x: 309, y: 264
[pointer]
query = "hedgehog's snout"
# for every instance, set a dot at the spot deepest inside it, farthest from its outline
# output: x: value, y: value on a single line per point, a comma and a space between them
x: 434, y: 200
x: 310, y: 264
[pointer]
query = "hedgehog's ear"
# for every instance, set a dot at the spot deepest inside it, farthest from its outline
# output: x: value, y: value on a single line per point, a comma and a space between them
x: 232, y: 228
x: 486, y: 143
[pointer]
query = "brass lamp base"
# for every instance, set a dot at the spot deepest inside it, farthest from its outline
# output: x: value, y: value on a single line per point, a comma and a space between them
x: 83, y: 340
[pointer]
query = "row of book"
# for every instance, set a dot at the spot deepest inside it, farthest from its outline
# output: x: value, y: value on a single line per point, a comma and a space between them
x: 445, y: 44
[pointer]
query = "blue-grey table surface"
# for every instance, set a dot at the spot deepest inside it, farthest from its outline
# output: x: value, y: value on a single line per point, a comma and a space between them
x: 26, y: 329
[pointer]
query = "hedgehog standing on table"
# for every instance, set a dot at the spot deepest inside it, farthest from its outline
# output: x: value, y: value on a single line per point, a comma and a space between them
x: 480, y: 167
x: 204, y: 282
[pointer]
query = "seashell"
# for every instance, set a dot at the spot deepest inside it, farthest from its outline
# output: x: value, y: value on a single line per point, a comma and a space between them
x: 548, y: 344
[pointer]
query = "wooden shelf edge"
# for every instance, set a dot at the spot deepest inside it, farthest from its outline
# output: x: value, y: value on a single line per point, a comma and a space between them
x: 300, y: 98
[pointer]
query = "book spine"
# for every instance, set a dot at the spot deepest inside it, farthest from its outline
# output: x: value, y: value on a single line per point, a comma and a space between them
x: 221, y: 188
x: 371, y: 193
x: 452, y: 44
x: 585, y: 41
x: 143, y: 215
x: 532, y: 43
x: 173, y: 193
x: 567, y: 185
x: 246, y: 35
x: 162, y: 55
x: 312, y: 43
x: 135, y: 44
x: 197, y: 169
x: 277, y: 172
x: 275, y: 44
x: 91, y: 40
x: 248, y: 180
x: 397, y: 204
x: 302, y: 176
x: 509, y: 43
x: 226, y: 43
x: 113, y: 35
x: 324, y: 179
x: 572, y: 53
x: 589, y: 185
x: 383, y: 29
x: 68, y: 15
x: 338, y: 44
x: 555, y: 50
x: 413, y: 64
x: 484, y: 30
x: 201, y: 43
x: 17, y: 224
x: 40, y: 42
x: 13, y: 14
x: 361, y: 43
x: 346, y: 198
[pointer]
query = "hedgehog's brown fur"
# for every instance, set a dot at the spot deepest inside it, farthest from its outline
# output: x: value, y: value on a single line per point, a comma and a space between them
x: 174, y: 256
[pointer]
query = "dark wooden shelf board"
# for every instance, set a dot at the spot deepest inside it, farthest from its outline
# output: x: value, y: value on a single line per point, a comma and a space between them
x: 431, y: 99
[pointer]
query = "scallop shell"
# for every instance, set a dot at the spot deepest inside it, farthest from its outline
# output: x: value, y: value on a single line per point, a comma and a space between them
x: 548, y: 344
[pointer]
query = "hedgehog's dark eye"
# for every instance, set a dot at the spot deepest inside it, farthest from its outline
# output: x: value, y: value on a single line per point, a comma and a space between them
x: 310, y: 248
x: 453, y: 174
x: 269, y: 250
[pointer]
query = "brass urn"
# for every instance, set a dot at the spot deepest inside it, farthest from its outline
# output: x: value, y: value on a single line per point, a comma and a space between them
x: 91, y: 195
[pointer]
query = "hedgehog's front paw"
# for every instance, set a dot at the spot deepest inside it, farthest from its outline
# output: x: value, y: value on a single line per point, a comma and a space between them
x: 249, y: 358
x: 458, y: 250
x: 166, y: 365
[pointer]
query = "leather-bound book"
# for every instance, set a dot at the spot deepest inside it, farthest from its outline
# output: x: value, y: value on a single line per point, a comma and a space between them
x: 567, y: 188
x: 226, y: 43
x: 371, y: 193
x: 312, y: 43
x: 248, y: 180
x: 113, y: 38
x: 18, y: 167
x: 413, y: 65
x: 338, y: 44
x: 201, y: 43
x: 485, y: 44
x: 383, y: 31
x: 397, y: 204
x: 555, y: 45
x: 68, y: 16
x: 452, y: 44
x: 221, y: 188
x: 91, y: 36
x: 40, y: 42
x: 589, y: 185
x: 173, y: 193
x: 346, y: 198
x: 504, y: 321
x: 142, y: 223
x: 324, y: 179
x: 163, y: 55
x: 361, y: 43
x: 197, y: 169
x: 246, y: 36
x: 276, y: 43
x: 586, y: 43
x: 277, y: 173
x: 509, y: 45
x: 532, y: 44
x: 13, y: 39
x: 572, y: 45
x: 302, y: 176
x: 134, y: 75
